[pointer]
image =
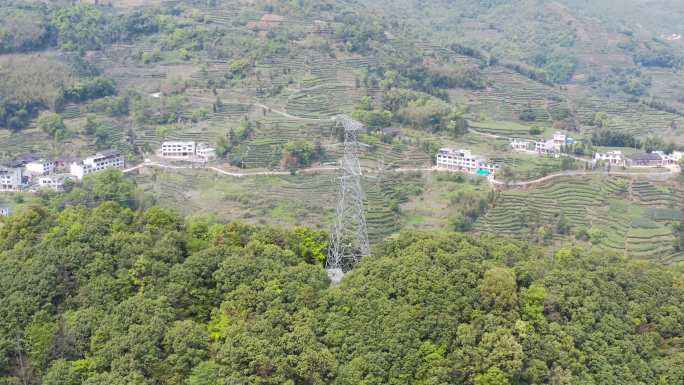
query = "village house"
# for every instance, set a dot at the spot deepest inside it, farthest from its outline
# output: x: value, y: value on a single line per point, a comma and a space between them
x: 488, y: 168
x: 205, y: 153
x: 546, y: 147
x: 670, y: 159
x: 551, y: 147
x: 179, y: 150
x: 464, y: 160
x: 53, y: 182
x: 561, y: 140
x: 520, y: 144
x: 98, y: 162
x: 614, y: 158
x: 41, y: 167
x: 11, y: 178
x: 190, y: 151
x: 645, y: 160
x: 5, y: 212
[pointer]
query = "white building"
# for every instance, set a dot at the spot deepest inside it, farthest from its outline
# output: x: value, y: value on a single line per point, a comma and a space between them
x: 464, y: 160
x: 180, y: 150
x: 670, y: 159
x: 546, y: 147
x: 41, y: 167
x: 205, y: 153
x: 488, y: 168
x: 520, y: 144
x: 98, y: 162
x: 11, y: 179
x: 615, y: 158
x: 191, y: 151
x: 54, y: 182
x: 559, y: 140
x: 551, y: 147
x: 5, y: 211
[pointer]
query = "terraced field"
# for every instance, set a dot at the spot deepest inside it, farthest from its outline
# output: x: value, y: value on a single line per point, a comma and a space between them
x: 631, y: 217
x: 637, y: 119
x: 510, y: 94
x: 505, y: 129
x: 279, y: 200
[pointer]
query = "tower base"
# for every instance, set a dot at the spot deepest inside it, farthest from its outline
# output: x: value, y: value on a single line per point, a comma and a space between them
x: 335, y: 275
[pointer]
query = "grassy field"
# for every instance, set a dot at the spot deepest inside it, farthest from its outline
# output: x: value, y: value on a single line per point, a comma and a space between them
x: 279, y: 200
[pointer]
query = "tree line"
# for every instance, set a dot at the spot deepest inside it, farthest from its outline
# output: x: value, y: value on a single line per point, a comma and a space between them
x: 105, y: 291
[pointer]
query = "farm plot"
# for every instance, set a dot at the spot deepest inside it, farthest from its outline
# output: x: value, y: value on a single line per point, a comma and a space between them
x: 636, y: 119
x: 510, y: 94
x: 628, y: 217
x: 506, y: 129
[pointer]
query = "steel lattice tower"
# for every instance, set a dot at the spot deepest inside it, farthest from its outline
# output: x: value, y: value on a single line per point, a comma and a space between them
x: 349, y: 237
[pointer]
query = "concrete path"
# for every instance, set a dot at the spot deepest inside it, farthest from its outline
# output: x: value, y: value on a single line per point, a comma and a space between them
x: 312, y: 170
x: 149, y: 163
x: 666, y: 174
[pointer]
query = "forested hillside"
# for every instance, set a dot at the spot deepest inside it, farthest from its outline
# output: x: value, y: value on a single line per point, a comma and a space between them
x: 113, y: 296
x: 181, y: 273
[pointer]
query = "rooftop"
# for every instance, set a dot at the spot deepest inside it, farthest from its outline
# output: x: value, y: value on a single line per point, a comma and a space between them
x: 447, y: 150
x: 41, y: 160
x: 181, y: 142
x: 106, y: 153
x: 644, y: 157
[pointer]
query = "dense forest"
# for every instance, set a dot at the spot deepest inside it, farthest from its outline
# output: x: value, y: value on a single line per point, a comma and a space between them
x: 98, y: 290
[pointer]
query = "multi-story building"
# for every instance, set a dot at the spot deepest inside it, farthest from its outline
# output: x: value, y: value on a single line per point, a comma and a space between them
x: 614, y: 158
x: 551, y: 147
x: 464, y: 160
x: 98, y: 162
x: 520, y: 144
x: 191, y: 151
x: 41, y: 167
x: 546, y: 147
x: 205, y: 153
x: 559, y: 140
x: 181, y: 150
x: 488, y: 168
x: 11, y: 178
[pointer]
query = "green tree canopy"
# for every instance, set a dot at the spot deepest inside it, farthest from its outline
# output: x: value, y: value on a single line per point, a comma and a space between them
x: 107, y: 295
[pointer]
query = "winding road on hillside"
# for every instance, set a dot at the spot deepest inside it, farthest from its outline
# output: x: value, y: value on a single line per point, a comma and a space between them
x: 313, y: 170
x: 149, y: 163
x: 665, y: 174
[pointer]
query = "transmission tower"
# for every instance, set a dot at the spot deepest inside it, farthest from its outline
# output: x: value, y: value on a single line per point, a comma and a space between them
x: 349, y: 237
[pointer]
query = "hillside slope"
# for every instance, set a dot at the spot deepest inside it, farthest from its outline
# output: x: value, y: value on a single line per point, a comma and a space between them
x: 113, y: 296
